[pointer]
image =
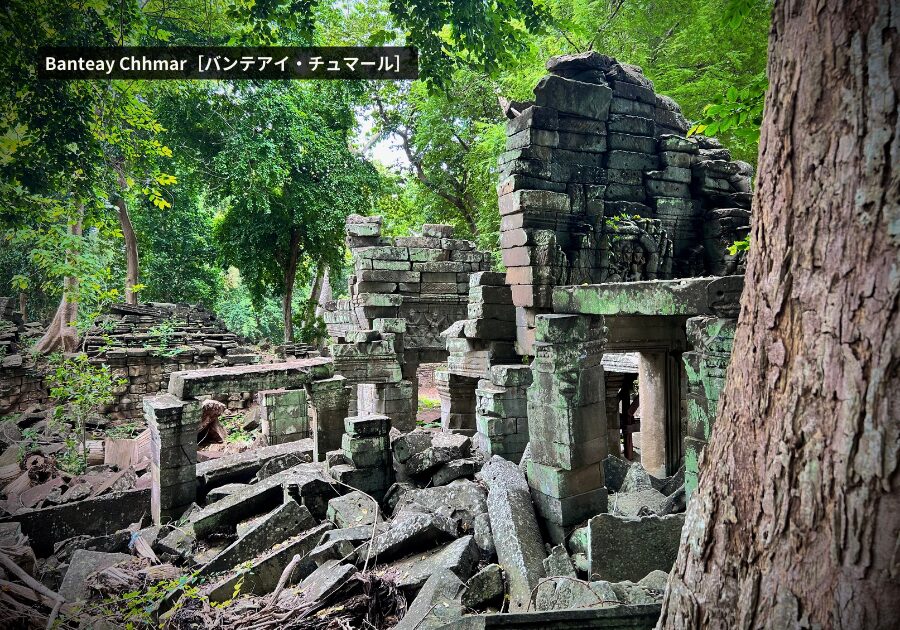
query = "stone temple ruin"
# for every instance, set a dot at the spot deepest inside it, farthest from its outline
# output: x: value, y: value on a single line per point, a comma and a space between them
x: 577, y: 392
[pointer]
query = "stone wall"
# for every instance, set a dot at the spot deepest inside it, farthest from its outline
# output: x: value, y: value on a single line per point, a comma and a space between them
x: 21, y: 384
x: 599, y: 184
x: 146, y: 343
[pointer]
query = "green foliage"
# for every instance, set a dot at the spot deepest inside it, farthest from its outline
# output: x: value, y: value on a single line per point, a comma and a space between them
x: 742, y: 245
x: 164, y: 334
x: 28, y: 443
x: 81, y: 388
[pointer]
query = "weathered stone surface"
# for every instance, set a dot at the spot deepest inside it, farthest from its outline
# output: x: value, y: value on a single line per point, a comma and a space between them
x: 614, y: 471
x: 411, y: 443
x: 517, y: 537
x: 485, y: 588
x: 613, y: 618
x: 628, y: 549
x: 81, y: 565
x: 675, y: 502
x: 655, y: 581
x: 630, y: 593
x: 326, y: 578
x: 410, y: 533
x: 574, y: 97
x: 558, y: 563
x: 457, y: 469
x: 282, y: 523
x: 352, y: 509
x: 445, y: 447
x: 264, y: 572
x: 562, y: 593
x: 437, y: 603
x: 639, y: 503
x: 460, y: 556
x: 636, y: 479
x: 461, y: 500
x: 483, y: 536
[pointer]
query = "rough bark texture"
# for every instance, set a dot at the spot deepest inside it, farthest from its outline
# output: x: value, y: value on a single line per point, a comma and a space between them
x: 132, y: 265
x: 797, y: 517
x: 290, y: 274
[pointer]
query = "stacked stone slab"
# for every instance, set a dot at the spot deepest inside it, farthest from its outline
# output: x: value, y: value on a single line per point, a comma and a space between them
x: 501, y: 414
x: 486, y: 338
x: 21, y: 385
x: 366, y: 453
x: 599, y: 184
x: 567, y: 422
x: 372, y: 362
x: 705, y: 366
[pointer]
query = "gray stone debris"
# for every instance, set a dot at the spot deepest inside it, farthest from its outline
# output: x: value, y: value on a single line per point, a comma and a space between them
x: 460, y: 556
x: 456, y: 469
x: 558, y: 593
x: 461, y: 501
x: 636, y: 479
x: 517, y: 537
x: 631, y: 504
x: 628, y: 549
x: 410, y: 533
x: 283, y: 522
x: 352, y: 509
x: 437, y: 603
x: 82, y: 564
x: 485, y: 588
x: 327, y: 577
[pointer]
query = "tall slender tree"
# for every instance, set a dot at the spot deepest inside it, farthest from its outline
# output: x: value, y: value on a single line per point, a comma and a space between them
x: 796, y: 522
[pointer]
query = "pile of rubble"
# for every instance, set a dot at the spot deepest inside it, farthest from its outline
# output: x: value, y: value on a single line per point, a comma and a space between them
x: 21, y: 386
x: 397, y: 530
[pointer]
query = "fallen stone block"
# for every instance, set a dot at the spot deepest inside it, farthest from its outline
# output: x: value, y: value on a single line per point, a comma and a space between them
x: 638, y: 617
x: 242, y: 467
x: 97, y: 516
x: 445, y: 447
x: 675, y: 502
x: 352, y: 509
x: 485, y: 588
x: 82, y: 564
x: 461, y: 501
x: 636, y: 479
x: 408, y: 534
x: 437, y: 603
x: 262, y: 575
x: 628, y: 549
x: 324, y: 580
x: 558, y: 563
x: 614, y: 471
x: 634, y: 504
x: 517, y: 537
x: 460, y: 556
x: 306, y: 484
x: 559, y: 593
x: 483, y: 536
x: 630, y: 593
x: 280, y: 524
x: 451, y: 471
x: 655, y: 581
x: 221, y: 492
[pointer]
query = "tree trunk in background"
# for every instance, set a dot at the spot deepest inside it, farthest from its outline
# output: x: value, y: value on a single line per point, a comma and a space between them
x: 796, y: 520
x: 290, y: 274
x: 132, y: 264
x: 23, y: 305
x: 60, y: 335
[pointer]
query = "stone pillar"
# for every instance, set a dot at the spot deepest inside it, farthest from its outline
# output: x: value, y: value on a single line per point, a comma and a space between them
x: 328, y: 402
x: 283, y: 415
x: 501, y: 414
x: 366, y: 447
x: 459, y: 414
x: 705, y: 366
x: 567, y: 421
x: 395, y: 400
x: 654, y: 405
x: 173, y: 427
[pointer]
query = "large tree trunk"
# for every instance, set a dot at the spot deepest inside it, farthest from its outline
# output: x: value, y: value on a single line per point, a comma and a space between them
x: 61, y: 335
x: 290, y: 274
x: 132, y: 264
x: 796, y: 522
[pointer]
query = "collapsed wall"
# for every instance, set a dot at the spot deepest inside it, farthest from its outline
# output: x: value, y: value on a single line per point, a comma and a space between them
x: 599, y: 184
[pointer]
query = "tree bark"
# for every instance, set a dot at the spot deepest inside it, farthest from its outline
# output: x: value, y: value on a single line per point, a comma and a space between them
x: 132, y: 265
x: 61, y: 335
x: 290, y: 274
x: 796, y: 521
